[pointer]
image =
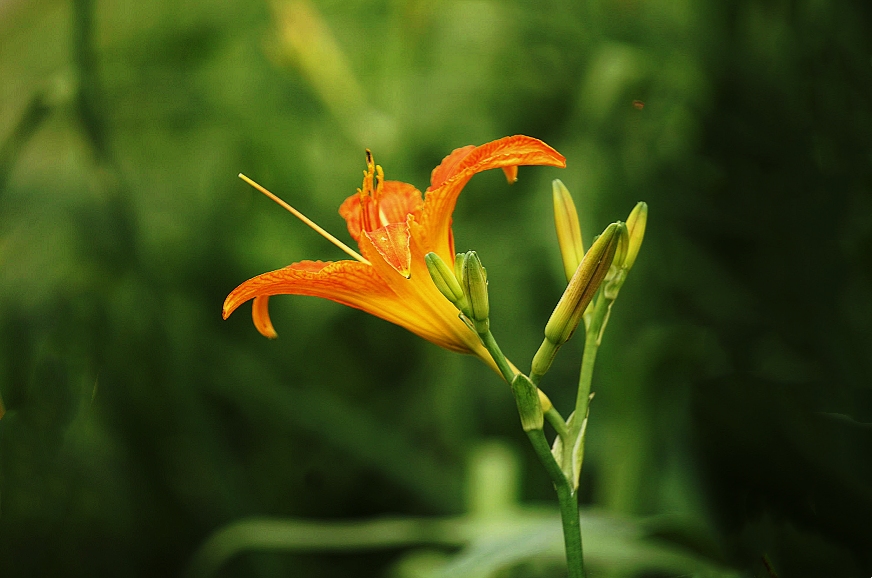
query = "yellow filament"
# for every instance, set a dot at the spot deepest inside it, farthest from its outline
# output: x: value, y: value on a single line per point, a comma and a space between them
x: 351, y: 252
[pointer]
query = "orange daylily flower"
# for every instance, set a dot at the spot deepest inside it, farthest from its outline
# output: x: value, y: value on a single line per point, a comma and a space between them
x: 394, y: 228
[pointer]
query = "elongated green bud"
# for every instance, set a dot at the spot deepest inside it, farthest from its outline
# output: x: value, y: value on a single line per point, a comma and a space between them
x: 636, y: 223
x: 458, y: 266
x: 443, y: 277
x: 578, y: 295
x: 627, y: 251
x: 527, y: 398
x: 568, y: 229
x: 616, y: 272
x: 583, y: 286
x: 623, y: 248
x: 474, y: 284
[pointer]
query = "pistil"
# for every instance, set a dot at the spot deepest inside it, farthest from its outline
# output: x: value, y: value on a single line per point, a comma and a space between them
x: 348, y: 250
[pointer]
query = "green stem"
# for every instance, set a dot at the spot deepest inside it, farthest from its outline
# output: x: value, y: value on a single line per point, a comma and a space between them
x: 573, y: 447
x: 585, y: 378
x: 557, y: 422
x: 571, y: 531
x: 568, y: 500
x: 487, y: 339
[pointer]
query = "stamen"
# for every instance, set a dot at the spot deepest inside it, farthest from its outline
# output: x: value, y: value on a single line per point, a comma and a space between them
x: 348, y: 250
x: 379, y: 179
x: 368, y: 192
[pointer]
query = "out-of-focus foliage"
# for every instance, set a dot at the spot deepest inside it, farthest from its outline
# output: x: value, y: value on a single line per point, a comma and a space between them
x: 733, y: 387
x: 495, y: 534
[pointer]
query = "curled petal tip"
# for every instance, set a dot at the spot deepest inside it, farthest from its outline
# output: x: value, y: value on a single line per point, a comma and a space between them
x: 511, y: 174
x: 260, y: 316
x: 231, y: 303
x: 269, y: 332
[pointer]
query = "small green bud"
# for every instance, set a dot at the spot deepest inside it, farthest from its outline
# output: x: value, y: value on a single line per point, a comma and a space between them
x: 527, y: 398
x: 635, y: 233
x: 568, y: 229
x: 458, y: 266
x: 623, y: 246
x: 620, y: 253
x: 583, y: 286
x: 443, y: 278
x: 474, y: 283
x: 636, y: 223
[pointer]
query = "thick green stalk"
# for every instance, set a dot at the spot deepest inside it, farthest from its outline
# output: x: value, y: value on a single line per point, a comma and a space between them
x: 568, y: 500
x: 566, y: 497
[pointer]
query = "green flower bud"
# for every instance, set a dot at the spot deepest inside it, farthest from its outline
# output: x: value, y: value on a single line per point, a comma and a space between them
x: 443, y: 278
x: 636, y: 223
x: 568, y: 229
x: 542, y: 360
x: 583, y: 286
x: 627, y: 252
x: 458, y: 265
x: 527, y: 398
x: 620, y: 254
x: 623, y: 247
x: 474, y: 284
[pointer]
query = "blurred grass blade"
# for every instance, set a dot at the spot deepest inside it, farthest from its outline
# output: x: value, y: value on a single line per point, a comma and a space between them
x: 36, y: 111
x: 306, y: 42
x: 492, y: 544
x: 270, y: 534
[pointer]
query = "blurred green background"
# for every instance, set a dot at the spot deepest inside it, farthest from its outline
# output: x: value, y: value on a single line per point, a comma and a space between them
x: 734, y: 399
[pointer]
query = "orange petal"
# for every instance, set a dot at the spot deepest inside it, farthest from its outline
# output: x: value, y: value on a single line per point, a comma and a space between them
x: 396, y: 200
x: 350, y: 211
x: 353, y: 284
x: 392, y: 243
x: 458, y: 167
x: 260, y: 316
x: 347, y: 282
x: 448, y: 166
